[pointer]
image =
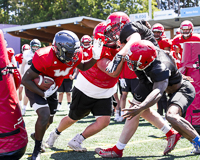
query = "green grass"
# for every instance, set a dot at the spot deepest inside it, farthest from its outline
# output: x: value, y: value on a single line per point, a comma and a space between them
x: 148, y: 143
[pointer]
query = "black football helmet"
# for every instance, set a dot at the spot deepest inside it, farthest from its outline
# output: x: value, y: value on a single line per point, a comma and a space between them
x: 35, y: 44
x: 66, y: 45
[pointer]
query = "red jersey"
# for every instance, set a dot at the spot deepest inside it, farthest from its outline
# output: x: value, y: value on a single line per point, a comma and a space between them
x: 19, y: 58
x: 97, y: 77
x: 46, y: 62
x: 164, y: 42
x: 179, y: 40
x: 127, y: 73
x: 87, y: 53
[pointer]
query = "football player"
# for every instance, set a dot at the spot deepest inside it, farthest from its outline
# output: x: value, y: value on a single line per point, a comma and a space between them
x: 54, y: 61
x: 28, y: 54
x: 155, y: 65
x: 19, y: 59
x: 128, y: 33
x: 92, y: 93
x: 159, y: 34
x: 187, y: 35
x: 66, y: 87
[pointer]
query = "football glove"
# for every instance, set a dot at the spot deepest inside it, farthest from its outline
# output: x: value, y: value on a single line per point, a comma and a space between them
x: 50, y: 91
x: 97, y: 48
x: 122, y: 83
x: 112, y: 66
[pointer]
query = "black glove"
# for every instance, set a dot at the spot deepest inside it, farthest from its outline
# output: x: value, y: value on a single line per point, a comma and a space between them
x: 112, y: 66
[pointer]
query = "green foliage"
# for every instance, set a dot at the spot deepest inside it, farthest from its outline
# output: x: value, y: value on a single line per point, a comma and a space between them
x: 28, y: 11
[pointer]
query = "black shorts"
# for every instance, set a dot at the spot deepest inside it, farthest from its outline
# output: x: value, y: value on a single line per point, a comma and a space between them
x: 37, y: 101
x: 131, y: 84
x: 142, y: 91
x: 66, y: 86
x: 82, y: 105
x: 183, y: 97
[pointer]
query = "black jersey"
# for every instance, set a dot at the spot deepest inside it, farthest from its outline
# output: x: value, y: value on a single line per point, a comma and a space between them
x: 138, y: 27
x: 160, y: 69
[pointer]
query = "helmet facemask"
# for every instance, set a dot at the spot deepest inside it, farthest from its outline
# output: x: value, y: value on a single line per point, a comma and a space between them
x: 133, y: 65
x: 186, y: 32
x: 66, y: 56
x: 66, y: 47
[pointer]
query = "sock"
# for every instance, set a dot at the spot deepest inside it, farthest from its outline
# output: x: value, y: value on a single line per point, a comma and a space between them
x: 37, y: 145
x: 20, y: 103
x: 197, y: 140
x: 57, y: 132
x: 59, y: 103
x: 120, y: 145
x: 69, y: 103
x: 24, y: 106
x: 82, y: 138
x: 166, y: 128
x: 118, y: 151
x: 116, y: 113
x: 122, y: 113
x: 171, y: 132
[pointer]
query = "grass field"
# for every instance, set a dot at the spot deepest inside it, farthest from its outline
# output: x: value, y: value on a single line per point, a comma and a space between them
x: 148, y: 143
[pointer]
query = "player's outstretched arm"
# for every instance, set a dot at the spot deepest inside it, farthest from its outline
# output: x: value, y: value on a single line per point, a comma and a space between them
x: 96, y: 51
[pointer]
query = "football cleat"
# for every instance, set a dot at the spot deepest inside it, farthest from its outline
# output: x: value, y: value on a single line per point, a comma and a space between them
x: 75, y: 144
x: 51, y: 140
x: 36, y: 155
x: 107, y: 153
x: 23, y: 111
x: 59, y: 107
x: 172, y: 140
x: 42, y: 146
x: 120, y: 119
x: 196, y: 149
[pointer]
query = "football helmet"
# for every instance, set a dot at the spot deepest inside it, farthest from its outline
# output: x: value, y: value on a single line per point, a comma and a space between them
x: 186, y: 28
x: 158, y: 30
x: 114, y: 24
x: 65, y: 46
x: 35, y: 44
x: 98, y: 32
x: 86, y: 39
x: 140, y: 55
x: 25, y: 47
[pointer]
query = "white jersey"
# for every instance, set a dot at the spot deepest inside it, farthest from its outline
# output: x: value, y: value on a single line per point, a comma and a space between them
x: 27, y: 58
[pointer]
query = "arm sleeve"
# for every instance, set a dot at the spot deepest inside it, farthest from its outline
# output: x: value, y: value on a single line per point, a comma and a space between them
x: 126, y: 31
x: 159, y: 73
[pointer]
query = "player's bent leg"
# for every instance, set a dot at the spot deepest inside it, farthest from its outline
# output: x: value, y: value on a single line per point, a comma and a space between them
x: 180, y: 124
x: 129, y: 129
x: 155, y: 119
x: 64, y: 124
x: 100, y: 123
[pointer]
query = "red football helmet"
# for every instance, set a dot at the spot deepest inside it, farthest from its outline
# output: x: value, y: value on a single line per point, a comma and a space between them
x: 178, y: 31
x: 99, y: 31
x: 86, y: 41
x: 158, y: 30
x: 140, y: 55
x: 114, y: 23
x: 25, y: 47
x: 186, y: 28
